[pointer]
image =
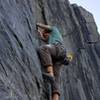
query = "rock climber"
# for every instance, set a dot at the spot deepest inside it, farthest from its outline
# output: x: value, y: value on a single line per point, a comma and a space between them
x: 53, y: 54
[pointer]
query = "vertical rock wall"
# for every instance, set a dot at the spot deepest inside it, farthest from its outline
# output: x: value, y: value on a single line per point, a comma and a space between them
x: 20, y: 70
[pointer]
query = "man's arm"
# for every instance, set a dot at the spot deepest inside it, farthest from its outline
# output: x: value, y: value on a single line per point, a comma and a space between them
x: 43, y: 26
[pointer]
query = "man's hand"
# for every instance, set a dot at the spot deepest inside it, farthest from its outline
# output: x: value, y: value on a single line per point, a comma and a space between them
x: 37, y: 25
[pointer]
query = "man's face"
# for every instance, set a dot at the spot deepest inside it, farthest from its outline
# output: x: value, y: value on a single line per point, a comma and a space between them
x: 46, y: 35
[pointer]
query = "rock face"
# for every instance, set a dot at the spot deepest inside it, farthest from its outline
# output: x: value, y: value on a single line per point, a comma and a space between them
x: 20, y: 68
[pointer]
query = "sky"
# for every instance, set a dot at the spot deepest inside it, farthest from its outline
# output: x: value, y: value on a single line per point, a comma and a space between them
x: 92, y: 6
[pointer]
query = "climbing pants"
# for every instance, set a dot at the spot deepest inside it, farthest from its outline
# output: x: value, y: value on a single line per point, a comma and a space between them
x: 53, y: 55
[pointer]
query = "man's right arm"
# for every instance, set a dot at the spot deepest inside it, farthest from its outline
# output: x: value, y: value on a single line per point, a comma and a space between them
x: 41, y: 36
x: 43, y: 26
